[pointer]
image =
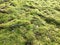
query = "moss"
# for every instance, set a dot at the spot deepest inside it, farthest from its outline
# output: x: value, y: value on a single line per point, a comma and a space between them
x: 29, y: 22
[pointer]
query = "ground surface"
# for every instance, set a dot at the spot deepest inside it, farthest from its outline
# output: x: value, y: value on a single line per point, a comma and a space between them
x: 29, y: 22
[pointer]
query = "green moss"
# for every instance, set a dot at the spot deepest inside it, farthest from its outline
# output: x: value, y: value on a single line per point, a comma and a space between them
x: 29, y: 22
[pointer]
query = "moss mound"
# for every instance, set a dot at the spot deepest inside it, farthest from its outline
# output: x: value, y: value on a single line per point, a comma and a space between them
x: 29, y: 22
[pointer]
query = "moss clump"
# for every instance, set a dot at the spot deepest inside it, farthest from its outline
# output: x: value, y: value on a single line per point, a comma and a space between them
x: 29, y: 22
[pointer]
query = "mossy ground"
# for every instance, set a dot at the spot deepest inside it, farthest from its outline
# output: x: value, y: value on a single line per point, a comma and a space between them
x: 29, y: 22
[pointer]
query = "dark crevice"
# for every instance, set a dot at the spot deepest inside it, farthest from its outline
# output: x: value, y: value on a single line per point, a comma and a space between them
x: 28, y: 43
x: 3, y: 11
x: 57, y: 8
x: 52, y: 21
x: 40, y: 15
x: 12, y: 4
x: 1, y: 28
x: 32, y: 7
